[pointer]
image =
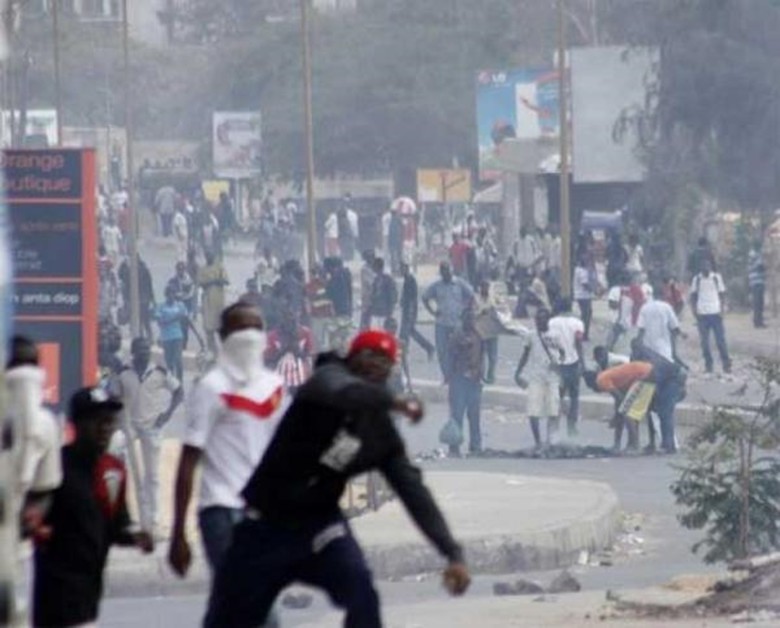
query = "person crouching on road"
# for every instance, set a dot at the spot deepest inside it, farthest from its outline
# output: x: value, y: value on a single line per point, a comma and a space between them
x: 624, y: 383
x: 88, y: 514
x: 338, y: 426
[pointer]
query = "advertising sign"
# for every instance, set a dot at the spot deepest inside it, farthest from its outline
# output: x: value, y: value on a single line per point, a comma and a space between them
x: 237, y: 144
x: 51, y: 204
x: 444, y: 186
x: 520, y: 104
x: 607, y: 83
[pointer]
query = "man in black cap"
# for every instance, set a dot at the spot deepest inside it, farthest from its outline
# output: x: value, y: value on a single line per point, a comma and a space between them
x: 338, y: 426
x: 87, y: 516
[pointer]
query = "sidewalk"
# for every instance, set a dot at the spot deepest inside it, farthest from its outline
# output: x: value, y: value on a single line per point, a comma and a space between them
x: 506, y: 524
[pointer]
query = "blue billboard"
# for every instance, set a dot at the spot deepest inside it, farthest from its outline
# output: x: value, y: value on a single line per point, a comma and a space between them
x: 521, y: 104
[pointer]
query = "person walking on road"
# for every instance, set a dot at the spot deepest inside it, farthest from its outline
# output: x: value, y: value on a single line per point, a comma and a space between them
x: 338, y: 426
x: 150, y: 395
x: 584, y: 287
x: 465, y: 381
x: 172, y: 318
x: 537, y: 373
x: 88, y: 515
x: 231, y: 416
x: 568, y: 332
x: 409, y: 310
x: 38, y: 466
x: 659, y: 327
x: 212, y: 279
x: 708, y: 292
x: 384, y: 294
x: 452, y: 295
x: 757, y: 283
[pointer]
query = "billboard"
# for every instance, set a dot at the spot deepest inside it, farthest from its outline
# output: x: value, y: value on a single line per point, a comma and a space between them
x: 444, y: 185
x: 237, y: 144
x: 520, y: 104
x: 606, y: 83
x: 51, y: 204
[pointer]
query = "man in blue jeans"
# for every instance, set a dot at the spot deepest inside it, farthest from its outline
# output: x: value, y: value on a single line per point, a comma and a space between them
x: 171, y: 318
x: 466, y: 363
x: 708, y: 292
x: 231, y: 417
x: 452, y: 296
x: 568, y: 331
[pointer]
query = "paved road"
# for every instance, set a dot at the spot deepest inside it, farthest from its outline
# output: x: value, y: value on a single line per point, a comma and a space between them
x: 641, y: 483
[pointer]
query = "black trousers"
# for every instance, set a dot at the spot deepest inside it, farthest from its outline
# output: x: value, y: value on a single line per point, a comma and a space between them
x: 757, y: 293
x: 265, y: 557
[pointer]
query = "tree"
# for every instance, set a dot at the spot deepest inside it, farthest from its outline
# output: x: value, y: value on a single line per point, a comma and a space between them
x: 730, y: 484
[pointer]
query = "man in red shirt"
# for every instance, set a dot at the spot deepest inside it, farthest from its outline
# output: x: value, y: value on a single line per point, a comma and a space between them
x: 459, y: 252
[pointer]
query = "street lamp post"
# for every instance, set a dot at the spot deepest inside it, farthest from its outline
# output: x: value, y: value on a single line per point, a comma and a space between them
x: 132, y: 235
x: 311, y: 231
x: 55, y: 23
x: 565, y: 203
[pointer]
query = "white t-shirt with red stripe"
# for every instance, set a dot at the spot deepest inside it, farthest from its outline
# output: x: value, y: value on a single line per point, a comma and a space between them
x: 232, y: 421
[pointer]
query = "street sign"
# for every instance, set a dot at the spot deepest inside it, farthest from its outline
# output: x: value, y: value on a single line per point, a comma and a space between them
x: 444, y: 185
x: 51, y: 203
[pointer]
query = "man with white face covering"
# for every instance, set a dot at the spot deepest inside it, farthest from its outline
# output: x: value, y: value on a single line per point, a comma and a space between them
x: 38, y: 465
x: 231, y: 416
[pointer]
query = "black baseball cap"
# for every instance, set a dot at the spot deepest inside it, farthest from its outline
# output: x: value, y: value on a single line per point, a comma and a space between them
x: 86, y: 402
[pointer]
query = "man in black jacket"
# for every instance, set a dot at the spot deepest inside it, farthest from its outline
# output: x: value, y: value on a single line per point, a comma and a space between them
x: 88, y: 514
x: 338, y: 426
x: 409, y: 309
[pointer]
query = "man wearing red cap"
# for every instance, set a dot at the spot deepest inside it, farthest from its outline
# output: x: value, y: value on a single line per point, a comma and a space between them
x: 338, y: 426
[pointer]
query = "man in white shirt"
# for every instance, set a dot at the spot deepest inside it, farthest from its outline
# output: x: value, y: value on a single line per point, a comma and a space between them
x: 332, y: 235
x: 658, y: 327
x: 112, y: 240
x: 150, y: 395
x: 37, y: 463
x: 181, y: 235
x: 568, y: 331
x: 232, y: 415
x: 708, y: 292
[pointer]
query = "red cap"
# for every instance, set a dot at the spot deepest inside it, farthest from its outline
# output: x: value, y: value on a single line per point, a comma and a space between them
x: 377, y: 340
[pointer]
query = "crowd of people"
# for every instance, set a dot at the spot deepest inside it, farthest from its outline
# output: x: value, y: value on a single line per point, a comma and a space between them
x: 276, y: 357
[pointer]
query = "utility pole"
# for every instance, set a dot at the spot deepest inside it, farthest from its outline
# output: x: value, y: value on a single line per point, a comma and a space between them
x: 311, y: 232
x: 565, y: 203
x: 132, y: 236
x: 55, y: 22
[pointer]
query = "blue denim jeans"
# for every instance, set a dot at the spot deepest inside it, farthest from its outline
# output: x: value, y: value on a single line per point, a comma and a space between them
x: 216, y: 525
x: 667, y: 395
x: 172, y: 350
x: 265, y: 557
x: 443, y: 334
x: 713, y: 323
x: 570, y: 387
x: 466, y: 401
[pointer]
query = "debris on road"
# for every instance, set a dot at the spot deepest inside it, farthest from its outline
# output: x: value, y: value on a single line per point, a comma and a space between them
x: 564, y: 583
x: 520, y: 587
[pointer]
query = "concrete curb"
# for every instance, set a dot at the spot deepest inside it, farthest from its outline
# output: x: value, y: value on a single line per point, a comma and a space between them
x: 587, y: 520
x: 554, y: 545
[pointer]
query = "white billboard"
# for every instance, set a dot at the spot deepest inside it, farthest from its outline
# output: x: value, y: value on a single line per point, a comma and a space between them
x: 606, y: 82
x: 237, y: 144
